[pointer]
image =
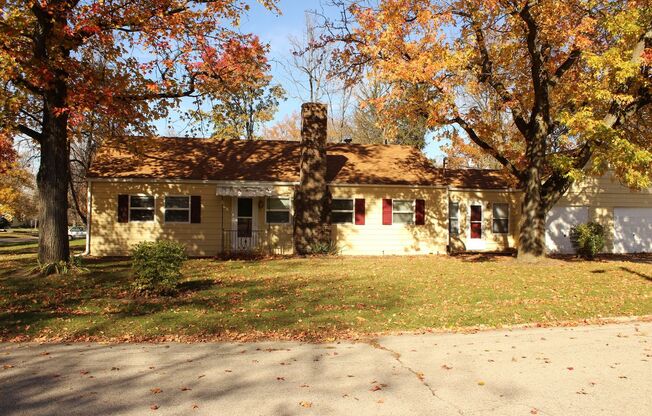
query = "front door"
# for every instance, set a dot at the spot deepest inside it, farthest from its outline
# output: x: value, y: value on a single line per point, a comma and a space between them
x: 244, y: 222
x: 476, y: 222
x: 475, y: 241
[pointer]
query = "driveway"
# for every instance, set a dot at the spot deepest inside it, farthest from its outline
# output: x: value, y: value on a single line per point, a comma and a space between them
x: 596, y: 370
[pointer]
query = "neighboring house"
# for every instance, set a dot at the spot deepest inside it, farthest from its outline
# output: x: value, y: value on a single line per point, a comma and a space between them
x: 221, y: 196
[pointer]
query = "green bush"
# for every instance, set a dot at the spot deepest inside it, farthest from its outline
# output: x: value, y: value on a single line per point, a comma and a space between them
x: 588, y: 239
x: 157, y: 266
x: 325, y: 249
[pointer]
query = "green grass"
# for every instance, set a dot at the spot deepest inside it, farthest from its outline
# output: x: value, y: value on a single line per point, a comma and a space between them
x: 316, y: 298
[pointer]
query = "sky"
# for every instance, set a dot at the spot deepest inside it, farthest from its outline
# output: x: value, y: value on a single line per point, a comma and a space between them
x: 276, y: 30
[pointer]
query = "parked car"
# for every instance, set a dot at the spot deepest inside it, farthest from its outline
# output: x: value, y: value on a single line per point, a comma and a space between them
x: 4, y: 223
x: 76, y: 232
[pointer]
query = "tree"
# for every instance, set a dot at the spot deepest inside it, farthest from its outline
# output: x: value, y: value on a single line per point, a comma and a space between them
x: 308, y: 66
x: 288, y: 128
x: 154, y: 53
x: 7, y: 153
x: 245, y: 95
x: 16, y: 186
x: 569, y: 79
x: 380, y: 117
x: 312, y: 74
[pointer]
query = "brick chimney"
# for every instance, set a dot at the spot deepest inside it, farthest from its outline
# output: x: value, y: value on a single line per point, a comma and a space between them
x: 312, y: 199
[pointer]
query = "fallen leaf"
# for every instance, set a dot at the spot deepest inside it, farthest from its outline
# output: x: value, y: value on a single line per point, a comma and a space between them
x: 305, y: 404
x: 156, y: 390
x: 154, y: 407
x: 185, y: 389
x: 7, y: 366
x: 570, y: 368
x: 481, y: 383
x: 375, y: 387
x: 280, y: 378
x: 194, y: 406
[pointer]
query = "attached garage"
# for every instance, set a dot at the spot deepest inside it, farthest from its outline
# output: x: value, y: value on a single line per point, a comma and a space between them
x: 632, y: 230
x: 558, y: 225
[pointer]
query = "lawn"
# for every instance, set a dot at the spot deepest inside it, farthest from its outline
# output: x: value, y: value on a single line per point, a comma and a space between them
x: 314, y: 298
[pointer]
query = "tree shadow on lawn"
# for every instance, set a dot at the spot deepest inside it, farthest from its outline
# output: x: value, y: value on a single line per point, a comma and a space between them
x: 484, y: 257
x: 634, y: 272
x: 100, y: 303
x: 644, y: 258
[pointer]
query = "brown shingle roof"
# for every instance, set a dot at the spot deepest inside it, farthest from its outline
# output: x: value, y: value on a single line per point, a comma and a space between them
x: 479, y: 179
x: 276, y: 161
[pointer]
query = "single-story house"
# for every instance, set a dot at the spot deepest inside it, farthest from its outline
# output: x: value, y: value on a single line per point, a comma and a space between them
x: 223, y: 196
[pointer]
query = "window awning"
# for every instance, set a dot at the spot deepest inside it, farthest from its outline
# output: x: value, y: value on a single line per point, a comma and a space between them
x: 245, y: 191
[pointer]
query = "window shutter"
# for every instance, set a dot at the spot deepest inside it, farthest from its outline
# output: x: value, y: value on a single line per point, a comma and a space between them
x: 195, y: 209
x: 359, y: 212
x: 387, y: 212
x: 420, y: 212
x: 123, y: 208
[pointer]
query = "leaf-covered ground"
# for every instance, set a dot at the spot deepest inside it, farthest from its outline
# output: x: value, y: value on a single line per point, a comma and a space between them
x: 315, y: 298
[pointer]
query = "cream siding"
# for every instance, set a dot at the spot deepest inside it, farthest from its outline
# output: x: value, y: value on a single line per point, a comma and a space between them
x: 108, y: 237
x: 374, y: 238
x: 486, y: 198
x: 111, y: 238
x: 601, y: 194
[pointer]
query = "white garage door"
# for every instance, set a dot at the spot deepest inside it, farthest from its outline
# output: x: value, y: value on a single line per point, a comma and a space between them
x: 558, y: 224
x: 632, y: 230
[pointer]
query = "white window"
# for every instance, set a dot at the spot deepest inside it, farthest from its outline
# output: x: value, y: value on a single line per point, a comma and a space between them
x: 454, y: 218
x: 177, y: 209
x: 141, y: 208
x: 278, y: 211
x: 342, y: 211
x: 403, y: 211
x: 500, y: 219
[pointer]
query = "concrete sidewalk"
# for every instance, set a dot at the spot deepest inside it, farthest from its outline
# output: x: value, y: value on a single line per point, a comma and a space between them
x: 592, y: 370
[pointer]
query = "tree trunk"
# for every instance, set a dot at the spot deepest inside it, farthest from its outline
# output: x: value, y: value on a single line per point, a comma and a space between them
x: 531, y: 244
x: 52, y: 180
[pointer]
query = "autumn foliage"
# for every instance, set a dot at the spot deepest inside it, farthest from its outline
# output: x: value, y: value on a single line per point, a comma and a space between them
x: 125, y: 61
x: 548, y: 89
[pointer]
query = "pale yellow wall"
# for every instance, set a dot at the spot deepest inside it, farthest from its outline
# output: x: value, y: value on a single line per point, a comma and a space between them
x: 492, y: 242
x: 601, y: 194
x: 110, y: 238
x: 374, y: 238
x: 274, y: 238
x: 605, y: 191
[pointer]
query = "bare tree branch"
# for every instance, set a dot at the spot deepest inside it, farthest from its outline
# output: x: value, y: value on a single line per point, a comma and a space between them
x: 488, y: 148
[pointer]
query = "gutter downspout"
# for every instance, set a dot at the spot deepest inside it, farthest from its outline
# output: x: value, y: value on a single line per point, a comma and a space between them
x: 89, y: 219
x: 222, y: 221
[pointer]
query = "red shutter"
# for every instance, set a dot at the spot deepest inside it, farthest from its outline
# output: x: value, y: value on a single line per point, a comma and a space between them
x: 359, y: 212
x: 123, y: 208
x: 420, y: 212
x: 195, y: 209
x: 387, y: 212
